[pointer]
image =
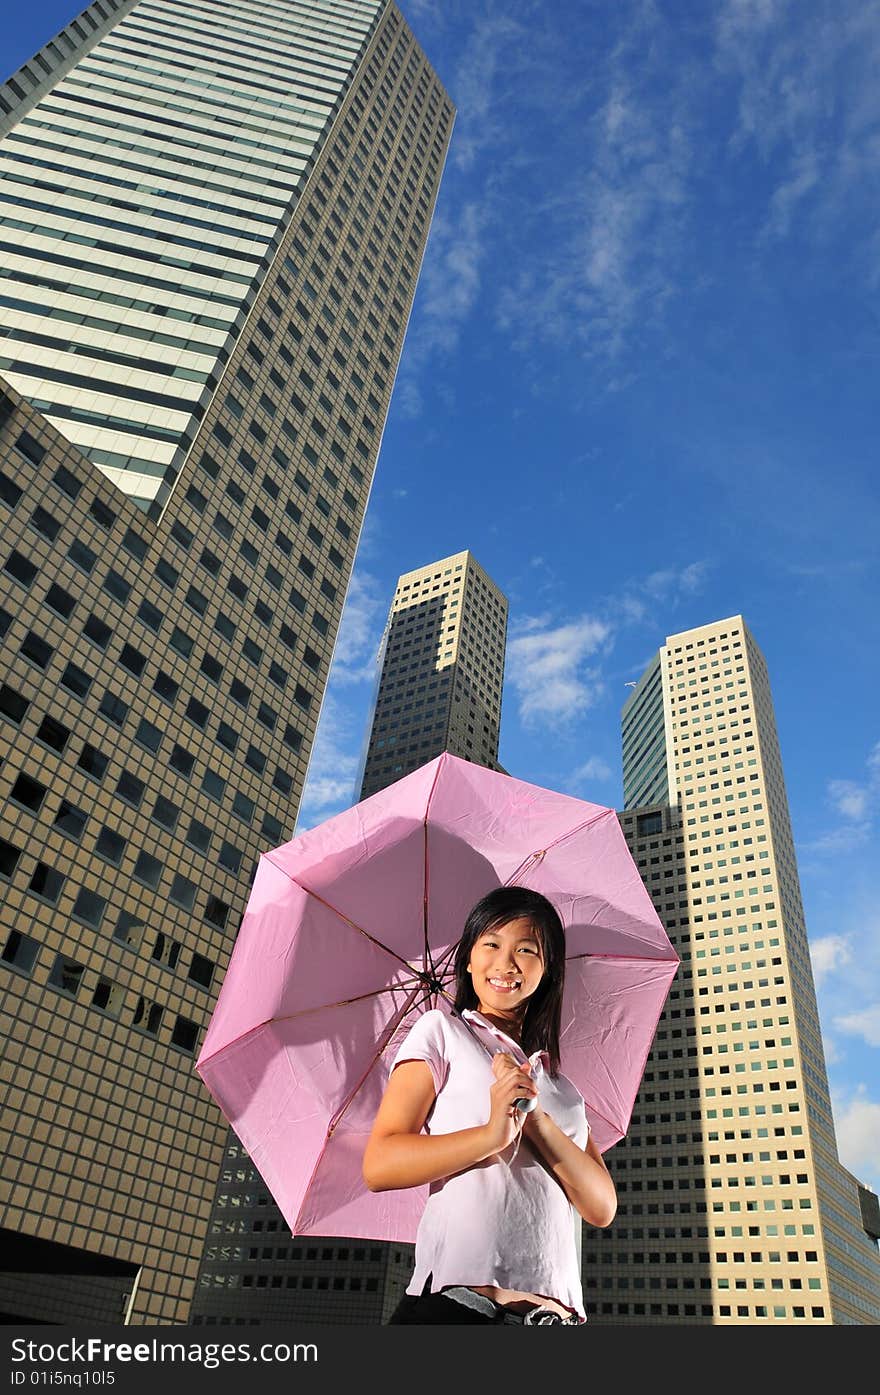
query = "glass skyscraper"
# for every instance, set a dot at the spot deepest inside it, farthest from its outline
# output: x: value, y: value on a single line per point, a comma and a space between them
x: 213, y: 219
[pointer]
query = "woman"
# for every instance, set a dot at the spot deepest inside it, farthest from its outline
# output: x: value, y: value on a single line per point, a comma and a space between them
x: 496, y: 1242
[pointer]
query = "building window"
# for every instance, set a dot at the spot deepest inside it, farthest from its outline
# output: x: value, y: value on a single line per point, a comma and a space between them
x: 185, y: 1034
x: 183, y: 892
x: 201, y: 971
x: 93, y: 761
x: 148, y: 869
x: 28, y: 793
x: 66, y: 975
x: 129, y: 930
x: 21, y: 951
x: 76, y: 681
x: 110, y: 846
x: 46, y: 883
x: 147, y: 1016
x: 216, y: 912
x: 114, y: 709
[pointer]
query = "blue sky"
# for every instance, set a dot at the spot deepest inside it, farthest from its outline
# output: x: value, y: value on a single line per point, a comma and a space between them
x: 640, y: 384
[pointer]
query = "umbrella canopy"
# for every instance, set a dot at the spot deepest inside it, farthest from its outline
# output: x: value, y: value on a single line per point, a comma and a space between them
x: 350, y: 934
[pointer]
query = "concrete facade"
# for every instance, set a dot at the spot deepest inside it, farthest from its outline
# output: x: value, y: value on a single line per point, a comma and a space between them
x: 442, y: 660
x: 734, y: 1208
x: 442, y: 672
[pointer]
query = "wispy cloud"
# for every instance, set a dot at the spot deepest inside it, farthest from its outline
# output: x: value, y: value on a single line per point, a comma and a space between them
x: 849, y: 799
x: 333, y: 767
x: 857, y: 1125
x: 548, y: 669
x: 864, y: 1023
x: 494, y: 47
x: 594, y: 771
x: 450, y: 280
x: 612, y: 238
x: 837, y: 842
x: 854, y: 801
x: 807, y: 104
x: 828, y: 954
x: 657, y: 595
x: 354, y: 659
x: 661, y: 585
x: 448, y: 290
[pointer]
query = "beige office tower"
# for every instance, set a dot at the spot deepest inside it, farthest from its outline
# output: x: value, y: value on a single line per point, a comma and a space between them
x: 441, y: 668
x: 212, y: 224
x: 734, y: 1207
x: 442, y: 671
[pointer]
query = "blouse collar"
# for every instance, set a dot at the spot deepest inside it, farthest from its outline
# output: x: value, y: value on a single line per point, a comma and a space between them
x: 478, y: 1020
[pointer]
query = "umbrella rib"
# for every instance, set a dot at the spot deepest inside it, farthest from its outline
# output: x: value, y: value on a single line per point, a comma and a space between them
x: 427, y: 961
x: 539, y: 854
x: 630, y: 958
x: 380, y: 1047
x: 381, y: 1044
x: 348, y: 921
x: 384, y: 1038
x: 413, y: 984
x: 593, y: 1110
x: 417, y: 982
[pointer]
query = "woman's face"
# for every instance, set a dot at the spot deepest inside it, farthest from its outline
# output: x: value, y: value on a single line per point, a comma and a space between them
x: 506, y: 966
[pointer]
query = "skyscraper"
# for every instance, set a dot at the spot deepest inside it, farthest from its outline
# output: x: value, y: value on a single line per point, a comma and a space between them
x: 213, y: 221
x: 734, y: 1207
x: 440, y: 689
x: 442, y: 672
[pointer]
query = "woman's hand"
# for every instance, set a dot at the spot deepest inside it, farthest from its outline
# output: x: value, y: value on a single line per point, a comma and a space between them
x: 399, y: 1154
x: 512, y: 1082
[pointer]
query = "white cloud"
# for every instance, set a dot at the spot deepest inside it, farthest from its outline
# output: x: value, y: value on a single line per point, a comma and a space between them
x: 691, y: 578
x: 408, y: 400
x: 857, y: 1121
x: 668, y: 587
x: 448, y: 290
x: 848, y: 798
x: 804, y: 177
x: 490, y: 49
x: 855, y: 801
x: 808, y: 106
x: 838, y: 842
x: 594, y: 770
x: 360, y: 630
x: 828, y: 954
x: 864, y: 1023
x: 612, y: 238
x: 450, y: 280
x: 332, y: 769
x: 546, y: 667
x: 661, y: 585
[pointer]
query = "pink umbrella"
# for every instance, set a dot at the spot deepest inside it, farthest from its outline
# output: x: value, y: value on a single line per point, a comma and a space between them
x: 350, y: 934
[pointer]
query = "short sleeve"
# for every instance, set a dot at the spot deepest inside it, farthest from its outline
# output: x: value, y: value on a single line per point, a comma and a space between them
x: 426, y: 1041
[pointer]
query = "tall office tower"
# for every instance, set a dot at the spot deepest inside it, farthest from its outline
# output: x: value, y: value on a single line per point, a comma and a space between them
x: 213, y: 222
x: 442, y: 657
x: 442, y: 661
x: 734, y: 1207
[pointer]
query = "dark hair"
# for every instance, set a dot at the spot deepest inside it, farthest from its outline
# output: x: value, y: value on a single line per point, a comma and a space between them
x: 541, y: 1023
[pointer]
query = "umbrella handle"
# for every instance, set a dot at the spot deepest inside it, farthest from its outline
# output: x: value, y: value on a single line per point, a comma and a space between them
x: 526, y: 1106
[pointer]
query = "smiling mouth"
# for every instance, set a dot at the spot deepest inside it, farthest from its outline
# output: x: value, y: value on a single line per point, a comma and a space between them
x: 504, y: 985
